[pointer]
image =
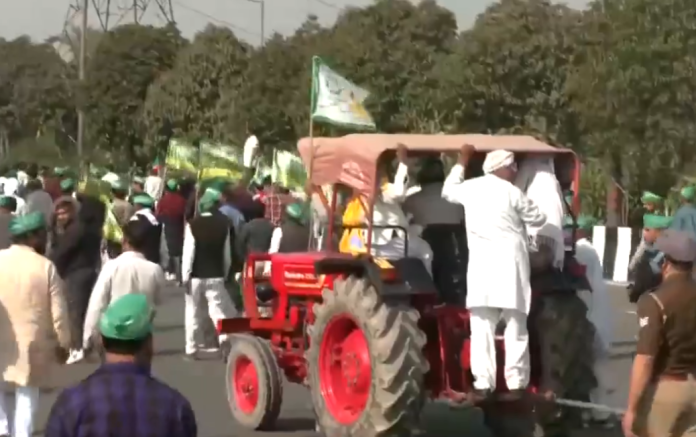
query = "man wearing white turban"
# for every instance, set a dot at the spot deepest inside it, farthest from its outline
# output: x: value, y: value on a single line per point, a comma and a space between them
x: 496, y: 214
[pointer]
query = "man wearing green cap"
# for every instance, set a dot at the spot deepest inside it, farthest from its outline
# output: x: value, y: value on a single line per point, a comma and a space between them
x: 649, y: 264
x: 293, y: 233
x: 122, y: 398
x: 156, y: 247
x: 67, y: 187
x: 206, y: 262
x: 598, y: 311
x: 651, y: 201
x: 35, y: 316
x: 685, y: 217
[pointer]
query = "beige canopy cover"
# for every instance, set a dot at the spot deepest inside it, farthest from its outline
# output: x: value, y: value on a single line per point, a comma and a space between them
x: 352, y: 159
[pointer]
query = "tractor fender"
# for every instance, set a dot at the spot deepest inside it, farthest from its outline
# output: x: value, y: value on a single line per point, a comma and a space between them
x: 359, y: 267
x: 412, y: 280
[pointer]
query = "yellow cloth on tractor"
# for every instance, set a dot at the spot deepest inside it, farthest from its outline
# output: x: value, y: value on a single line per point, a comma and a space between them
x: 353, y: 241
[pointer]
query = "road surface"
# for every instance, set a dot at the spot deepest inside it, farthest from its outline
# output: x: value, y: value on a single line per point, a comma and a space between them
x: 203, y: 383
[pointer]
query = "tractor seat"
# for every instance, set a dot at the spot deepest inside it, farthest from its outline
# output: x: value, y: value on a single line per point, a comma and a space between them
x: 265, y: 292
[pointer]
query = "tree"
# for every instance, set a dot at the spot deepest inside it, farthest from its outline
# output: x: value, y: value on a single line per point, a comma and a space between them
x: 274, y: 99
x: 124, y: 65
x: 635, y: 90
x: 508, y: 72
x: 387, y: 48
x: 183, y: 101
x: 36, y: 94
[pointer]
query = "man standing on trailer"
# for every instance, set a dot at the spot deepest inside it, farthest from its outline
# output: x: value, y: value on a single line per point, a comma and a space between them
x: 496, y: 214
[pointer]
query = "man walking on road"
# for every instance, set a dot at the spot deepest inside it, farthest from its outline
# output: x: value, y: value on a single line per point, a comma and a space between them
x: 129, y: 273
x: 206, y: 262
x: 496, y: 215
x: 33, y: 314
x: 122, y: 398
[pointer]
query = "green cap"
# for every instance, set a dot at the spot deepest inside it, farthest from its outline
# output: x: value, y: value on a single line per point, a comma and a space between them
x: 118, y: 185
x: 656, y: 221
x: 7, y: 201
x: 688, y: 193
x: 586, y: 222
x: 138, y: 179
x: 143, y: 199
x: 650, y: 197
x: 60, y: 171
x: 27, y: 223
x: 127, y: 318
x: 209, y: 198
x: 172, y: 184
x: 67, y: 184
x: 296, y: 211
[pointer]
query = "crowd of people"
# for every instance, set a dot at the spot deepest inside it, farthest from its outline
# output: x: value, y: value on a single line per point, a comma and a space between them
x: 84, y: 272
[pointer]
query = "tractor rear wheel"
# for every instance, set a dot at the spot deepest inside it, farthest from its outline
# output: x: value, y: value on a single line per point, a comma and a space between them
x: 567, y: 366
x: 366, y: 363
x: 254, y: 383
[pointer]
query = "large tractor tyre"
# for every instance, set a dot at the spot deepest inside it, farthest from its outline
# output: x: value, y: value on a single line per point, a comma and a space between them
x: 254, y: 383
x: 566, y: 347
x: 366, y: 363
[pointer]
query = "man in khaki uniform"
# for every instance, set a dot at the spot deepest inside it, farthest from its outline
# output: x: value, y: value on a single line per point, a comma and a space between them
x: 662, y: 394
x: 34, y: 328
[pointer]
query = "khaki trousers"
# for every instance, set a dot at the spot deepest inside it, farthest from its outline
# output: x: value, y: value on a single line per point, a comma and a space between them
x: 668, y: 409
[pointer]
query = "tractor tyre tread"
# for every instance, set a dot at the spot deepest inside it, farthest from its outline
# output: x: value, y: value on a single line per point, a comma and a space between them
x: 398, y: 363
x: 259, y: 352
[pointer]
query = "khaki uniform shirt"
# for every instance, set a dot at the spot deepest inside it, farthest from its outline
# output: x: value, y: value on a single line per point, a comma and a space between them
x: 33, y: 317
x: 667, y: 319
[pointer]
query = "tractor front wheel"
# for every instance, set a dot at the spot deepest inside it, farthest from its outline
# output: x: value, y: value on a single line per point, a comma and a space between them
x: 254, y: 383
x: 366, y: 363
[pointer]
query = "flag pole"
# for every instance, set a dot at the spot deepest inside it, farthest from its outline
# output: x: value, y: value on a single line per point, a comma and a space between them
x: 312, y: 102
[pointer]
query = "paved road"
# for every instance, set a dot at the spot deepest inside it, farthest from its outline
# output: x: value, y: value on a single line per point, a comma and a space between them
x: 203, y: 383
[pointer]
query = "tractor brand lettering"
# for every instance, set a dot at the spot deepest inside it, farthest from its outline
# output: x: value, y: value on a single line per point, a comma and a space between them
x: 297, y: 276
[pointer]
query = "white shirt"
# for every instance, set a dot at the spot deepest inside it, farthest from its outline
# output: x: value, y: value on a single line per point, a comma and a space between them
x: 189, y: 252
x: 428, y: 207
x: 387, y: 210
x: 154, y: 186
x: 129, y: 273
x: 496, y: 213
x: 22, y: 178
x: 250, y: 146
x: 597, y: 301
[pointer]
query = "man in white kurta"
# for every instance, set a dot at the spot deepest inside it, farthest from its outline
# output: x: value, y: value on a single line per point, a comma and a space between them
x: 128, y: 273
x: 496, y: 215
x: 598, y: 312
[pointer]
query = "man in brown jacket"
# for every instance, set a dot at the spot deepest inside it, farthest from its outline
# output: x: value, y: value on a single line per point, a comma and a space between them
x: 34, y: 328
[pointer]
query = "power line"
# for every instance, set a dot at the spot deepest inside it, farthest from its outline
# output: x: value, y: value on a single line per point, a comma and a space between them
x: 327, y: 4
x: 215, y: 19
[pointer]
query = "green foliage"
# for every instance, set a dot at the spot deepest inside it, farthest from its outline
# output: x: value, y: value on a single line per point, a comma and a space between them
x: 615, y: 82
x: 128, y: 60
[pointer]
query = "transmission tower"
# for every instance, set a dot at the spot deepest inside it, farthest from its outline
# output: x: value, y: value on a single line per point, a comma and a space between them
x: 111, y: 13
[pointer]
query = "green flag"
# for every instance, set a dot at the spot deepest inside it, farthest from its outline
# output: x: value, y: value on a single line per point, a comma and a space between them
x: 336, y: 100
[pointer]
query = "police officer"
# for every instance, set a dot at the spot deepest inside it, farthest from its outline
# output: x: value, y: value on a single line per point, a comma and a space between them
x: 662, y: 393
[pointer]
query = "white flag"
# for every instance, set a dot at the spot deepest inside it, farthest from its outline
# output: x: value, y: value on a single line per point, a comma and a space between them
x: 337, y: 100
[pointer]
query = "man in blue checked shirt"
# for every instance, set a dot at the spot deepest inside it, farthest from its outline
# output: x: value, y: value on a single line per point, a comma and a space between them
x: 121, y: 398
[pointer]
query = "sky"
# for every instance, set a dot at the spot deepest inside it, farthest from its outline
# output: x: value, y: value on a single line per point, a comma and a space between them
x: 41, y: 19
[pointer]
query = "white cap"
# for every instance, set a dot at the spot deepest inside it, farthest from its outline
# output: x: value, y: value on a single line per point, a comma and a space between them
x: 497, y: 159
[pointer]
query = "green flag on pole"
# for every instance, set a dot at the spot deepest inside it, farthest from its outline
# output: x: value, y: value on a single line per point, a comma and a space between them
x: 338, y: 101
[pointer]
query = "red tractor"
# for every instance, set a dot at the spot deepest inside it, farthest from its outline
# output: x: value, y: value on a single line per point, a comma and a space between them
x: 374, y: 340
